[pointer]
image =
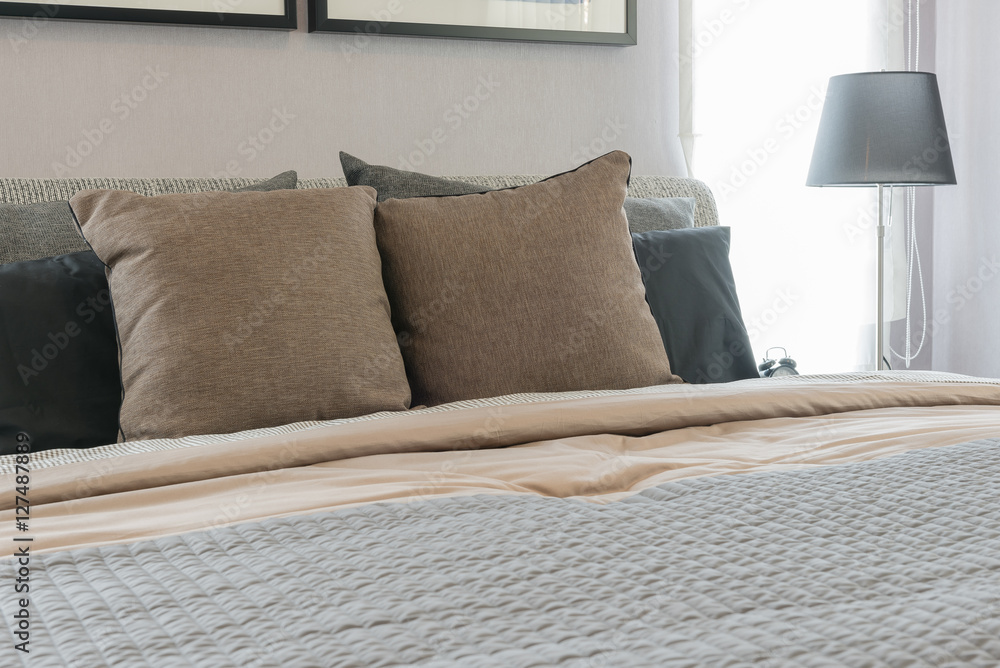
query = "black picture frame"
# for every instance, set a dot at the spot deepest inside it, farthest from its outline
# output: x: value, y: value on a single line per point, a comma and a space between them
x: 319, y: 21
x: 56, y: 11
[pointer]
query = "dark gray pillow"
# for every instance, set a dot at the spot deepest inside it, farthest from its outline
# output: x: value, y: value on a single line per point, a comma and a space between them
x: 692, y: 293
x: 393, y: 183
x: 45, y: 229
x: 668, y: 213
x: 58, y: 354
x: 283, y: 181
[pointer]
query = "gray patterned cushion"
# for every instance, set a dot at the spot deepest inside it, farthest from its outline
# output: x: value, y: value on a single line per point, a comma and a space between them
x: 36, y: 221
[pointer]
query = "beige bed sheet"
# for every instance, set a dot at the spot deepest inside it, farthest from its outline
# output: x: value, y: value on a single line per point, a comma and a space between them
x: 599, y: 449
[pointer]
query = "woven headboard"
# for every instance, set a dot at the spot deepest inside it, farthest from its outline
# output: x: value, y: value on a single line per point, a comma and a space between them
x: 30, y: 191
x: 27, y: 191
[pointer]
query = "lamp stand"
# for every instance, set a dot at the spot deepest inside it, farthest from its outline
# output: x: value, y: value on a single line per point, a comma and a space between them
x: 872, y: 123
x: 880, y: 294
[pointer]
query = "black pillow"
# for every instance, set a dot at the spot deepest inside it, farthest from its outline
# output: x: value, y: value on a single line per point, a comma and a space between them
x: 692, y: 293
x: 58, y: 356
x: 666, y: 213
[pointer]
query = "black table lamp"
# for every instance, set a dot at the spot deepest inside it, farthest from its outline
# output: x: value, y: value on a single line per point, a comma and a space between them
x: 882, y: 129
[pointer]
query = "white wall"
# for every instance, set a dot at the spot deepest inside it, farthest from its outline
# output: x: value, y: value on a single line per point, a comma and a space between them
x: 378, y: 98
x: 967, y: 216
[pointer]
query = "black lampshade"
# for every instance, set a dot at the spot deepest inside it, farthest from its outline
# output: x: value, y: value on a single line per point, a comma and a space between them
x: 882, y: 128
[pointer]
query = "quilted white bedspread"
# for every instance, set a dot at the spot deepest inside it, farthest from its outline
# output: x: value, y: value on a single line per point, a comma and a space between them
x: 893, y: 562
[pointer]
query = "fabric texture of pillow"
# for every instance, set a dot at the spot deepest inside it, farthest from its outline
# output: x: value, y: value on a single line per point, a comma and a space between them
x: 35, y: 231
x: 530, y: 289
x: 661, y: 213
x: 692, y: 294
x: 667, y: 213
x: 45, y: 229
x: 391, y: 183
x: 58, y: 349
x: 240, y: 311
x: 58, y: 355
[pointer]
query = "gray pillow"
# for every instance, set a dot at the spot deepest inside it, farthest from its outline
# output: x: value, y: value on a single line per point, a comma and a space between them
x: 644, y: 215
x: 45, y: 229
x: 662, y: 213
x: 393, y: 183
x: 36, y: 231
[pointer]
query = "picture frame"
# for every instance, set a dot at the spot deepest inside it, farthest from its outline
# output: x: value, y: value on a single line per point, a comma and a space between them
x: 268, y: 14
x: 611, y: 22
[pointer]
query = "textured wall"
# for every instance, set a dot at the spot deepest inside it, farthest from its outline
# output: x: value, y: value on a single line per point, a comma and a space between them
x: 966, y: 218
x: 182, y: 101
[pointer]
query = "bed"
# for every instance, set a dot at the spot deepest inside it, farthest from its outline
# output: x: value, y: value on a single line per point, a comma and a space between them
x: 803, y: 521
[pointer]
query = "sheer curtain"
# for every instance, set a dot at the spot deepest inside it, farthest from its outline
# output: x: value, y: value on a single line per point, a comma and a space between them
x: 804, y: 258
x: 966, y: 314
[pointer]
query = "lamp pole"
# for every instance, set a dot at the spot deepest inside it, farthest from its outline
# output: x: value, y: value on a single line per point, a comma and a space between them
x: 880, y: 296
x: 875, y: 130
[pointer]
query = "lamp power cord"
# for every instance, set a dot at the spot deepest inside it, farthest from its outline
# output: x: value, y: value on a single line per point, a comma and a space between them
x: 910, y: 213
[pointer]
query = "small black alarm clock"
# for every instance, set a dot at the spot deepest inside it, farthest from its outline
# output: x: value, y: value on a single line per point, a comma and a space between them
x: 773, y: 368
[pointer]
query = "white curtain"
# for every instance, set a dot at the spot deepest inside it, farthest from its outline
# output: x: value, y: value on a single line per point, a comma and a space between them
x: 804, y: 257
x: 966, y: 294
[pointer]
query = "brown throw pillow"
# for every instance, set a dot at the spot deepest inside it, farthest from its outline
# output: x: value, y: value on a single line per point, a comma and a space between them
x: 239, y: 311
x: 531, y: 289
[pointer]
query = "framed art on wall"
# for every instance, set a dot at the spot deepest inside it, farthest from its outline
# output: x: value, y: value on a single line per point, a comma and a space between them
x: 277, y: 14
x: 576, y: 21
